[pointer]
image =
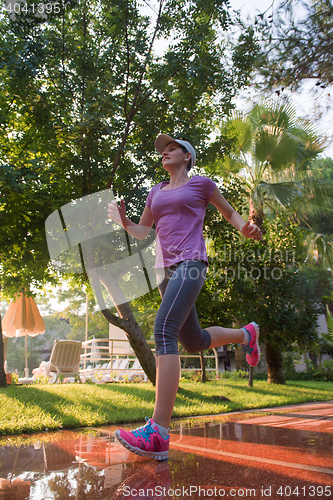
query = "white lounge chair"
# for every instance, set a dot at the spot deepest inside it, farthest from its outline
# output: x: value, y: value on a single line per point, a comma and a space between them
x: 64, y: 360
x: 137, y: 371
x: 122, y: 367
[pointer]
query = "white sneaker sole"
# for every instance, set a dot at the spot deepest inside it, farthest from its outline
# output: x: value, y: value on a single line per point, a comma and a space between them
x: 257, y: 329
x: 162, y: 455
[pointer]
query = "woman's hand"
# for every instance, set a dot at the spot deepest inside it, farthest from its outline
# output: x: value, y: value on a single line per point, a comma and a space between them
x: 251, y: 231
x: 117, y: 213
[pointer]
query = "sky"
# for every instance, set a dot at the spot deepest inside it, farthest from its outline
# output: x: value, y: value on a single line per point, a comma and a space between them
x: 307, y: 105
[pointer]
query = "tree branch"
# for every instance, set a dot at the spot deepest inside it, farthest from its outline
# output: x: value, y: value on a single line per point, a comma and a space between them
x: 133, y: 109
x: 128, y: 66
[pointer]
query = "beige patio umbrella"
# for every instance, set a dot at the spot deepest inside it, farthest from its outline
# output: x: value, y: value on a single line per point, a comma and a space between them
x: 22, y: 319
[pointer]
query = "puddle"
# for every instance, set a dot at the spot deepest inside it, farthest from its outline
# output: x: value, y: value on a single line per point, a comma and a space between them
x: 224, y: 453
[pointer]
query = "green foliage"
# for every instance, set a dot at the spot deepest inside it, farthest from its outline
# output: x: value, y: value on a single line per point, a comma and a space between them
x: 324, y: 168
x: 328, y: 337
x: 15, y: 378
x: 262, y: 282
x: 321, y: 222
x: 41, y: 380
x: 84, y: 94
x: 296, y: 44
x: 323, y: 373
x: 38, y: 407
x: 272, y: 155
x: 275, y: 158
x: 234, y: 374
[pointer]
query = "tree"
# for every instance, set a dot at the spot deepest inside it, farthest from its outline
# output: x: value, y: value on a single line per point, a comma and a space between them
x: 83, y: 95
x: 328, y: 337
x: 3, y: 381
x: 321, y: 222
x: 296, y: 44
x: 250, y: 280
x: 325, y: 168
x: 272, y: 157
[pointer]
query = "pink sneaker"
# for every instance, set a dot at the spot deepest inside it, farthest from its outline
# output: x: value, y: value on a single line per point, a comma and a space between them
x: 252, y: 349
x: 145, y: 441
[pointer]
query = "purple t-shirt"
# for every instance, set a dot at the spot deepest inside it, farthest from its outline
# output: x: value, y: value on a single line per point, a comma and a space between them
x: 179, y: 214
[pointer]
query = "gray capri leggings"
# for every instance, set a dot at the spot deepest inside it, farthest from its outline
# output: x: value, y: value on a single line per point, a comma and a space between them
x: 176, y: 320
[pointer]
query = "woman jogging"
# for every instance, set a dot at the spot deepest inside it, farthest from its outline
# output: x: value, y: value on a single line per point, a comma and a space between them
x: 178, y: 208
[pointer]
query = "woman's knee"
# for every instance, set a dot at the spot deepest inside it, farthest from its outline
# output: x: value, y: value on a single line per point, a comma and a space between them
x: 198, y: 344
x: 191, y: 347
x: 166, y: 338
x: 165, y: 345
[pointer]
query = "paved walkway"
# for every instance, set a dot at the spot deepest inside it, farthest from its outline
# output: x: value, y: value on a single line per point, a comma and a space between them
x: 276, y: 453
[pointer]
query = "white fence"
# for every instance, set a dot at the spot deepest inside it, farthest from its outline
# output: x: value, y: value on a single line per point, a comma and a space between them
x: 112, y: 359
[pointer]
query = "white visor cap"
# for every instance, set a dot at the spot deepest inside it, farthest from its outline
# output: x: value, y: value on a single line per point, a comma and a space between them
x: 163, y: 140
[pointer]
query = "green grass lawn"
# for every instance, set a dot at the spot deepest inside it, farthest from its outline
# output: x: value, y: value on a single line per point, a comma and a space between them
x: 38, y: 407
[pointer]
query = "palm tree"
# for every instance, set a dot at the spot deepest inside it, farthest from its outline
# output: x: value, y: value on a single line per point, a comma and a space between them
x: 272, y: 158
x: 328, y: 337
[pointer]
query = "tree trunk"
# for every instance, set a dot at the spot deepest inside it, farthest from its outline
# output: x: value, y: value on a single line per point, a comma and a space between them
x: 313, y: 358
x: 250, y: 384
x: 256, y: 216
x: 102, y: 277
x: 135, y: 337
x: 274, y: 365
x: 203, y: 368
x: 127, y: 322
x: 3, y: 382
x: 240, y: 359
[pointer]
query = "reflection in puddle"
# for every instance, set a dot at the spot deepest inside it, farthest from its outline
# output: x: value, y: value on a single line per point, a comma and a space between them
x: 64, y: 465
x: 89, y: 464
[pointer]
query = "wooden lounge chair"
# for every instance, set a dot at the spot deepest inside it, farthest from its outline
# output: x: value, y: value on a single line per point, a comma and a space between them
x: 64, y: 360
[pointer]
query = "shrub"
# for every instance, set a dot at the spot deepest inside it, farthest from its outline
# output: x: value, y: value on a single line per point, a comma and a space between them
x: 234, y: 374
x: 41, y: 379
x: 14, y: 377
x: 188, y: 375
x: 323, y: 373
x: 260, y: 376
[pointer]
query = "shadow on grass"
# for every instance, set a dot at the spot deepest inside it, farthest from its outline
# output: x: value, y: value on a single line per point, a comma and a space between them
x: 311, y: 384
x: 50, y: 405
x: 149, y: 392
x: 53, y: 404
x: 77, y: 406
x: 275, y: 387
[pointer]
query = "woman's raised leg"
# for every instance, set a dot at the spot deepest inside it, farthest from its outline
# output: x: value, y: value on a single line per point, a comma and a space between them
x: 222, y: 336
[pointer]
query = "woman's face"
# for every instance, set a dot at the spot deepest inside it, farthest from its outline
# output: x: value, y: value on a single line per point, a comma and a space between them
x: 173, y: 156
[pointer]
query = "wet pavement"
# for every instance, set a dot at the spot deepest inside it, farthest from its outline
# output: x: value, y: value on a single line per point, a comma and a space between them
x: 276, y: 453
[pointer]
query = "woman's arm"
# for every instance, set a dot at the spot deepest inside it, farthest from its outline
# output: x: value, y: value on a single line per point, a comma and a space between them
x: 139, y: 231
x: 230, y: 214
